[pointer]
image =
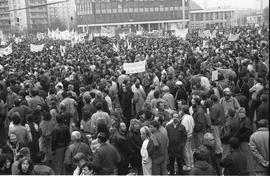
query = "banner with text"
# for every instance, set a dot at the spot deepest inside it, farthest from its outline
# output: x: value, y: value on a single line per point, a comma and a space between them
x: 135, y: 67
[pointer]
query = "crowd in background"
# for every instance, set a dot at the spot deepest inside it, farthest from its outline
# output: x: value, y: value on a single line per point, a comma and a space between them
x: 80, y: 113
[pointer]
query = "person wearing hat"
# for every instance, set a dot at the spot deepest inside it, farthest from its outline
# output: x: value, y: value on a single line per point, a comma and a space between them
x: 106, y: 158
x: 180, y: 92
x: 229, y: 102
x: 74, y: 148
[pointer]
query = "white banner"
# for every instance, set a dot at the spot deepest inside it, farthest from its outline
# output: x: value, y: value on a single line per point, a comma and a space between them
x: 233, y: 37
x: 108, y: 32
x: 181, y: 33
x: 36, y: 48
x: 6, y: 51
x: 135, y: 67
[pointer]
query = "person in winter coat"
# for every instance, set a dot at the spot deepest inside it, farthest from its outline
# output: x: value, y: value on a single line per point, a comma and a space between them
x: 263, y: 109
x: 201, y: 166
x: 177, y: 140
x: 120, y: 141
x: 76, y: 147
x: 259, y: 146
x: 60, y: 141
x: 46, y: 127
x: 106, y: 158
x: 157, y: 149
x: 135, y: 144
x: 217, y: 116
x: 200, y: 122
x: 40, y: 167
x: 146, y: 160
x: 138, y: 98
x: 236, y: 162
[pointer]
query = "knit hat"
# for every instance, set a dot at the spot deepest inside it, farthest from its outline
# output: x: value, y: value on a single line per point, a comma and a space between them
x: 227, y: 91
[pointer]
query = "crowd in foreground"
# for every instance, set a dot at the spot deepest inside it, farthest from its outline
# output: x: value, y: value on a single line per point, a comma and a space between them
x: 79, y: 113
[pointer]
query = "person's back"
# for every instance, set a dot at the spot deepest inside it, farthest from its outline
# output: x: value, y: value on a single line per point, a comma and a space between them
x: 236, y: 162
x: 21, y: 133
x: 106, y: 157
x: 41, y: 169
x: 201, y: 166
x: 158, y: 155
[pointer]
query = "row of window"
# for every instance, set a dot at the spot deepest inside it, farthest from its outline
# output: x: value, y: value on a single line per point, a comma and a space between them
x: 89, y: 10
x: 210, y: 16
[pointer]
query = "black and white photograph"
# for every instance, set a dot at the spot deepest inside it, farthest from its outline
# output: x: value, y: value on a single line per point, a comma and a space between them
x: 134, y: 87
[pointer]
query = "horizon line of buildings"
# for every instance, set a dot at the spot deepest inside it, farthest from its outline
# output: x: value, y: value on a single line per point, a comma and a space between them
x: 90, y: 15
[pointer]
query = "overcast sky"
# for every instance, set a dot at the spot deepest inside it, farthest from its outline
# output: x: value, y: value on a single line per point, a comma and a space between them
x: 254, y: 4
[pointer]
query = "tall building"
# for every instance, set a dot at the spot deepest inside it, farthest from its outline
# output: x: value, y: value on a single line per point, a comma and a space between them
x: 63, y: 12
x: 29, y: 16
x: 134, y: 14
x: 201, y: 18
x: 4, y: 16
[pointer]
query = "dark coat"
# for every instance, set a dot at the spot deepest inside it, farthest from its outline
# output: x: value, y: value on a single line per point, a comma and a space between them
x: 217, y: 114
x: 105, y: 160
x: 60, y: 136
x: 157, y: 147
x: 235, y: 163
x: 200, y: 120
x: 263, y: 111
x: 120, y: 142
x: 243, y: 101
x: 202, y: 168
x: 135, y: 145
x: 177, y: 139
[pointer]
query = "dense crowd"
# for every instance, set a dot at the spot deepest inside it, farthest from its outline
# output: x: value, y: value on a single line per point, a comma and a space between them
x: 79, y: 113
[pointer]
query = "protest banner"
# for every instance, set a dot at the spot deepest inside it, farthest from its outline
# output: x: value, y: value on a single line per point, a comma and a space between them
x: 181, y: 33
x: 107, y: 32
x: 36, y: 48
x: 6, y: 51
x: 207, y: 33
x: 233, y: 37
x: 135, y: 67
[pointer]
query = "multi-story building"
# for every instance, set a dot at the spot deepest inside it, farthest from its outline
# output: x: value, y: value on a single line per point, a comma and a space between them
x: 135, y: 14
x: 4, y: 16
x: 29, y: 16
x: 203, y: 18
x: 64, y: 12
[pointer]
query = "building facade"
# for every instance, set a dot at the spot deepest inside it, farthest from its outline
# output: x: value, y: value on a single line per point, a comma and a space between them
x: 135, y: 14
x: 64, y: 12
x: 204, y: 18
x: 4, y: 16
x: 28, y: 16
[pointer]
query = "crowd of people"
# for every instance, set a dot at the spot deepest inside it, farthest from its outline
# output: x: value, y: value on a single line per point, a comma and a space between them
x: 80, y: 113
